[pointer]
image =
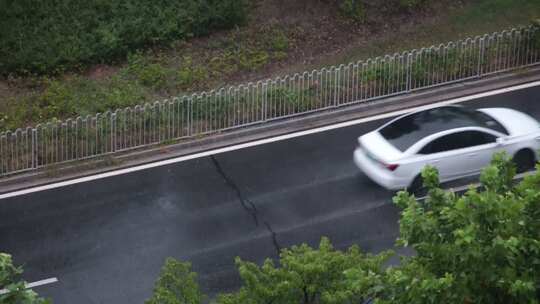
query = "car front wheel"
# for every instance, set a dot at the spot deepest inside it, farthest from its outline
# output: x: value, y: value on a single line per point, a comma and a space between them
x: 524, y: 160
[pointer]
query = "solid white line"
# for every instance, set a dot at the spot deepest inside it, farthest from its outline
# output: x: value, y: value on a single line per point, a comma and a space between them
x: 263, y: 141
x: 34, y: 284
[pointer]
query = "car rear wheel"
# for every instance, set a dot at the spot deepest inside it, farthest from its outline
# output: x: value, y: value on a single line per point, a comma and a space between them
x: 524, y: 160
x: 417, y: 187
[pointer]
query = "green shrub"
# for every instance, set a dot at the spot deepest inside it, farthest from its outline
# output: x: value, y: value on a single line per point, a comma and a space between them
x: 353, y: 9
x: 279, y: 42
x: 115, y: 94
x: 189, y: 74
x: 252, y: 60
x: 225, y: 63
x: 411, y: 3
x: 150, y: 74
x: 71, y: 98
x: 279, y: 55
x: 17, y: 113
x: 296, y: 100
x: 214, y: 109
x: 46, y: 36
x: 82, y: 97
x: 57, y: 100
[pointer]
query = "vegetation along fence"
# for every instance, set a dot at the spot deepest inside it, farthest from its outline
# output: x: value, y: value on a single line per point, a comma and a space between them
x: 218, y: 110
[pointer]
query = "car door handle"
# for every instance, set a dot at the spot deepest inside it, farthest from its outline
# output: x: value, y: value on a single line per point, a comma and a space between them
x: 472, y: 154
x: 436, y: 161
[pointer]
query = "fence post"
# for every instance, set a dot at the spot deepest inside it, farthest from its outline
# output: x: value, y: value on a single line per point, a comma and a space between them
x: 113, y: 131
x: 264, y: 106
x: 336, y: 76
x: 480, y: 55
x: 34, y: 148
x: 160, y: 121
x: 408, y: 72
x: 190, y: 116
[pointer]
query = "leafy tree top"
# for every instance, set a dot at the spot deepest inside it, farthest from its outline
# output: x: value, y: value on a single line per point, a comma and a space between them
x: 480, y: 247
x: 15, y: 287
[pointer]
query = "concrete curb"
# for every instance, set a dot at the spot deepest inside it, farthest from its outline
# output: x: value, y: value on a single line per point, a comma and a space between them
x: 271, y: 129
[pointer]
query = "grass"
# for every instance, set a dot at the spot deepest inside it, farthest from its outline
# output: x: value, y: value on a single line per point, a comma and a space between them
x: 232, y: 57
x: 145, y: 77
x: 459, y: 22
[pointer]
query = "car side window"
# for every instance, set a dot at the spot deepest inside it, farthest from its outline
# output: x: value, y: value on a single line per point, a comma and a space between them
x: 477, y: 138
x: 458, y: 140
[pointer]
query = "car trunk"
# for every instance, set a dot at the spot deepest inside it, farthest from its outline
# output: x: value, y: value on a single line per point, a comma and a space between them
x: 378, y: 148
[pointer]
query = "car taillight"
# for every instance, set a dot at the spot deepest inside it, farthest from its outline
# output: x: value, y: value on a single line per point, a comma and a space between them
x: 391, y: 167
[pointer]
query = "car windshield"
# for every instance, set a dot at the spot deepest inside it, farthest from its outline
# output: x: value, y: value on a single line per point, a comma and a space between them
x: 409, y: 129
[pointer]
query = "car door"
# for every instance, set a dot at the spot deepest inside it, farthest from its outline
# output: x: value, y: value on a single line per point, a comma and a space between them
x: 459, y: 154
x: 483, y: 146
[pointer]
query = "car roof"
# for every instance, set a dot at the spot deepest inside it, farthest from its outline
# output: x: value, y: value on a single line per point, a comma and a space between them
x: 406, y: 130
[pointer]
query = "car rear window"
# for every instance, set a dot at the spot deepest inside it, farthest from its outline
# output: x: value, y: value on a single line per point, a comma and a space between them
x: 406, y: 131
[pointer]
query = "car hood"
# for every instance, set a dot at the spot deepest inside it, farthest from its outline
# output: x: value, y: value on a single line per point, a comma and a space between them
x: 375, y: 144
x: 517, y: 123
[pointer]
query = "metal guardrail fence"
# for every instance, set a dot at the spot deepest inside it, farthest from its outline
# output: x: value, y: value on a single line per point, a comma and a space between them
x: 243, y: 105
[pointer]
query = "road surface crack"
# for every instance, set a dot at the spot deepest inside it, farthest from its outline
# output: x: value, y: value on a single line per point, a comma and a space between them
x: 247, y: 204
x: 274, y: 237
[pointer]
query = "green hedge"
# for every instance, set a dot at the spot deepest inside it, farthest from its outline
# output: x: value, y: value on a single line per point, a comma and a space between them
x: 358, y: 10
x: 44, y: 36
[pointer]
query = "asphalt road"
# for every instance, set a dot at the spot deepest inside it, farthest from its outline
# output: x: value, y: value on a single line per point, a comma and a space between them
x: 106, y: 240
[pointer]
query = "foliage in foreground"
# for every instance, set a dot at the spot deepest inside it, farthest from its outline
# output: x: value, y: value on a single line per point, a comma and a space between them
x: 307, y: 275
x: 10, y: 281
x: 177, y: 284
x: 480, y: 247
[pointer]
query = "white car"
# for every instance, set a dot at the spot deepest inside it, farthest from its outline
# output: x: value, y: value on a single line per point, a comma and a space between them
x: 456, y: 140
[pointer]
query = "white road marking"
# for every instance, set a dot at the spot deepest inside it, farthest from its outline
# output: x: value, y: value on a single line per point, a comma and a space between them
x: 263, y: 141
x: 34, y: 284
